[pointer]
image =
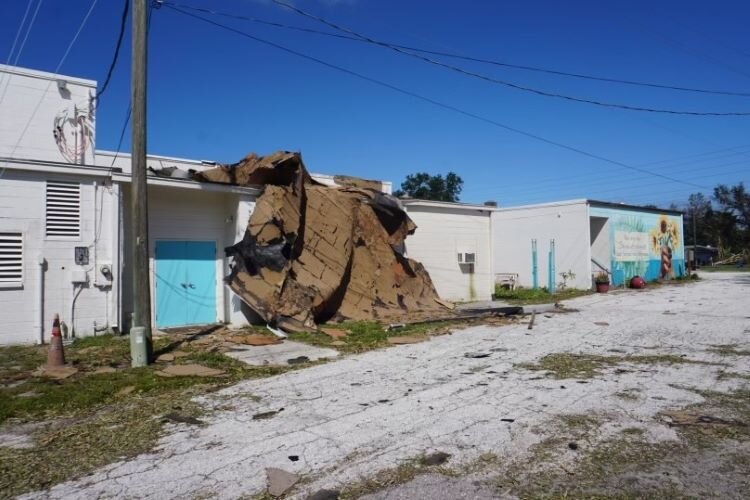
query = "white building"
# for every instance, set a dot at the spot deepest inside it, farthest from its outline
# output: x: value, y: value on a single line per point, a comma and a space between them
x: 64, y: 228
x: 454, y: 243
x: 65, y: 222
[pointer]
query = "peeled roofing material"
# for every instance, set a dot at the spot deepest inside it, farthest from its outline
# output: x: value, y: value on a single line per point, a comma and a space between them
x: 313, y: 253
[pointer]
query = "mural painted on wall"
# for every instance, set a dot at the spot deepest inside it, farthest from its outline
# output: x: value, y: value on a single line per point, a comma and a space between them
x: 643, y: 244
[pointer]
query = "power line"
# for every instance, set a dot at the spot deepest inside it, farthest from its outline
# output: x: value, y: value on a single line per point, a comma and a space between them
x: 505, y: 83
x: 23, y: 43
x: 57, y: 69
x: 116, y: 54
x: 433, y: 101
x: 464, y: 57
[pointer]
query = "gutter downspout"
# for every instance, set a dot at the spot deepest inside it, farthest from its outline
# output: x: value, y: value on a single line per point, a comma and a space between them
x: 39, y: 327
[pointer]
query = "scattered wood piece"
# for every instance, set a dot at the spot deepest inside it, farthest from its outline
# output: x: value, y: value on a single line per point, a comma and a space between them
x: 601, y: 323
x: 531, y: 322
x: 254, y: 339
x: 334, y: 333
x: 280, y: 481
x: 58, y: 372
x: 267, y: 414
x: 189, y: 370
x: 125, y: 391
x: 104, y: 369
x: 445, y: 303
x: 406, y: 339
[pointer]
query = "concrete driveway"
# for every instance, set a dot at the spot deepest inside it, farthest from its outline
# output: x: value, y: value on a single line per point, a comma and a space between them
x: 343, y: 423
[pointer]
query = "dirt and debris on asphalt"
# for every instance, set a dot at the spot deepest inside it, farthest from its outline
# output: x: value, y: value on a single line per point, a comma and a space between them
x: 314, y: 253
x: 652, y: 407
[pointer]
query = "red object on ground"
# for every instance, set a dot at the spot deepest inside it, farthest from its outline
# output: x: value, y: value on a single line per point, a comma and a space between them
x: 637, y: 282
x: 56, y: 354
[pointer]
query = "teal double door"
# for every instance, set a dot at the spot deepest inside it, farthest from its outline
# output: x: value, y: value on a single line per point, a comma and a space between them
x: 185, y: 283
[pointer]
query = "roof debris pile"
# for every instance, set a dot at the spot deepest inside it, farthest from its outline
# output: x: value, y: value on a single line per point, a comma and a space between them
x: 313, y: 253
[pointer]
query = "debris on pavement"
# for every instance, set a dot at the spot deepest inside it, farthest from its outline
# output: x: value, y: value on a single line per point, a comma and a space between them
x: 680, y: 417
x: 325, y: 495
x: 267, y: 414
x: 573, y: 446
x: 278, y: 354
x: 298, y: 360
x: 531, y: 322
x: 280, y: 481
x: 437, y: 458
x: 313, y: 253
x: 601, y: 323
x: 476, y: 355
x: 189, y: 370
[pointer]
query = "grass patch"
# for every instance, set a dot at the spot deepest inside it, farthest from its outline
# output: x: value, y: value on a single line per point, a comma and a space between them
x: 730, y: 412
x: 731, y: 268
x: 726, y: 375
x: 368, y: 335
x: 628, y: 394
x: 92, y: 419
x: 75, y: 446
x: 729, y: 350
x: 569, y: 365
x: 387, y: 478
x: 523, y: 296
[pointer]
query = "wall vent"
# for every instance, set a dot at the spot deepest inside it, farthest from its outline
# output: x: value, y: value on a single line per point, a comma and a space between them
x: 63, y: 209
x: 11, y: 258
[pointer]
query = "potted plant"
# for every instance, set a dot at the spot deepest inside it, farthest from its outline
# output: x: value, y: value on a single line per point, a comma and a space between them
x: 601, y: 280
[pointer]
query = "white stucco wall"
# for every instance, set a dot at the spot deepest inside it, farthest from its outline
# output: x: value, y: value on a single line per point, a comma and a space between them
x: 191, y: 215
x: 28, y: 109
x: 442, y: 232
x: 566, y: 222
x: 22, y: 208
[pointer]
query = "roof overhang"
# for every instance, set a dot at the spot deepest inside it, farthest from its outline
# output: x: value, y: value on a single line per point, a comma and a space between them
x: 189, y: 184
x: 446, y: 205
x: 53, y: 167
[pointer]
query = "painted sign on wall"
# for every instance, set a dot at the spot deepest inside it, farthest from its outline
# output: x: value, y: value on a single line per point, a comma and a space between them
x: 645, y: 244
x: 631, y: 245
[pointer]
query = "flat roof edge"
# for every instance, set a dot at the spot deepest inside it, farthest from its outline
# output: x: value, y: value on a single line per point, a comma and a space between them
x: 46, y: 75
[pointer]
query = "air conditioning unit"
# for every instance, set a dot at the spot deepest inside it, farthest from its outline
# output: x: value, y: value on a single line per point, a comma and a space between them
x: 467, y: 258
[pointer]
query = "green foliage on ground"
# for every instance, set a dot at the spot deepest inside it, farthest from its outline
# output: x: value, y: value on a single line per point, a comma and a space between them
x: 536, y: 295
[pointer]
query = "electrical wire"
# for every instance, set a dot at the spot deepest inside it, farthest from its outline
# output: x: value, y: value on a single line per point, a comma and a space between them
x: 454, y: 55
x: 432, y: 101
x: 116, y: 54
x: 504, y: 82
x: 130, y: 103
x: 23, y: 44
x: 49, y: 85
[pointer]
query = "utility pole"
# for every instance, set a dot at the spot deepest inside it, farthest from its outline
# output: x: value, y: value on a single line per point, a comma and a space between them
x: 140, y: 334
x: 695, y: 244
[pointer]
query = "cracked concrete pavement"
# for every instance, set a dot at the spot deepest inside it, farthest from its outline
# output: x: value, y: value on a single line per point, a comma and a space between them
x: 349, y: 419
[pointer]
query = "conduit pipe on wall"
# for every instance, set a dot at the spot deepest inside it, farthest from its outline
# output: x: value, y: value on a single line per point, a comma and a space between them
x: 39, y: 327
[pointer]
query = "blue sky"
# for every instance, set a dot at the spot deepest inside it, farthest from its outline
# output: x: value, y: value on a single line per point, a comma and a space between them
x: 216, y: 95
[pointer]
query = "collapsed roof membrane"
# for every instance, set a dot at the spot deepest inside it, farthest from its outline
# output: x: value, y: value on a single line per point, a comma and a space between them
x: 313, y: 253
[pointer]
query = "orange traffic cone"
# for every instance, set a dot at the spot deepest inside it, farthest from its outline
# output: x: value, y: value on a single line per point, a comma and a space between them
x: 56, y: 355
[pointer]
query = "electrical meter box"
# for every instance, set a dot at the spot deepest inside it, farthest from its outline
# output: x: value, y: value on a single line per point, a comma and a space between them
x: 82, y: 256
